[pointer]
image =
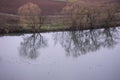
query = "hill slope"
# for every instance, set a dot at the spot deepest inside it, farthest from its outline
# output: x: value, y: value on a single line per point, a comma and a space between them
x: 47, y: 6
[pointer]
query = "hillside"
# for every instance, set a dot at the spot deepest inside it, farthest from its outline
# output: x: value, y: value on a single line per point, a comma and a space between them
x: 47, y: 6
x: 10, y: 22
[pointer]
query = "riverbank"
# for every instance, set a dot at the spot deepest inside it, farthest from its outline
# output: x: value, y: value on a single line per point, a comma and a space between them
x: 10, y: 24
x: 50, y: 29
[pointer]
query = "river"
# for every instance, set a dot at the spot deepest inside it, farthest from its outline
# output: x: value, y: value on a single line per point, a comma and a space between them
x: 75, y: 55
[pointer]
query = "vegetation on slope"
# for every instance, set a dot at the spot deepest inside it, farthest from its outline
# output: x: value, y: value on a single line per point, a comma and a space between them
x: 73, y: 15
x: 87, y: 14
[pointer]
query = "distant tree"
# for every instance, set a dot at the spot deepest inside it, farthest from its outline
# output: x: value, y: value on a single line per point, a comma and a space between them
x: 81, y: 13
x: 110, y: 11
x: 87, y: 14
x: 30, y: 15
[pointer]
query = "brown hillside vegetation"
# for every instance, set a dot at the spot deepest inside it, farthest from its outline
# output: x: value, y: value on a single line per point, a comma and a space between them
x: 38, y: 15
x: 29, y: 14
x: 47, y: 6
x: 91, y: 14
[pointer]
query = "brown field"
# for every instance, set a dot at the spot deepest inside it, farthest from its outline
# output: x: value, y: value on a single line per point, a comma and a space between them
x: 47, y: 6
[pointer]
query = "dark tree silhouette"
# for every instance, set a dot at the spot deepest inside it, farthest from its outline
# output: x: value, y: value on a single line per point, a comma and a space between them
x: 77, y: 43
x: 31, y: 44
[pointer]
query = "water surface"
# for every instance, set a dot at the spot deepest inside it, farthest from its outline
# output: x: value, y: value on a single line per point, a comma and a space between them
x: 77, y: 55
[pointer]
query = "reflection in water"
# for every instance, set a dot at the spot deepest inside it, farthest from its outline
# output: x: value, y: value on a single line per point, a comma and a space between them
x: 77, y: 43
x: 30, y: 45
x: 53, y: 64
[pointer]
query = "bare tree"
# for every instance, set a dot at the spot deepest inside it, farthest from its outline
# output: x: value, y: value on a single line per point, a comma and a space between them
x: 30, y: 15
x: 110, y: 11
x: 86, y: 14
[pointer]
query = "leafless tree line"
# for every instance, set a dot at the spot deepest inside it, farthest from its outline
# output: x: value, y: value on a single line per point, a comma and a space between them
x: 82, y: 14
x: 76, y: 14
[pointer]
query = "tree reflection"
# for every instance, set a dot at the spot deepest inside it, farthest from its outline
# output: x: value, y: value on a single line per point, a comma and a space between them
x: 77, y: 43
x: 30, y: 45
